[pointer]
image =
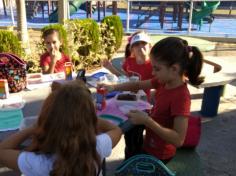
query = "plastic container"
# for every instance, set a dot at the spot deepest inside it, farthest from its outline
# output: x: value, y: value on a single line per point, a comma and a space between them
x: 11, y: 113
x: 34, y: 78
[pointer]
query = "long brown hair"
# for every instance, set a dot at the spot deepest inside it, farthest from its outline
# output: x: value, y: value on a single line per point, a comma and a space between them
x: 67, y: 128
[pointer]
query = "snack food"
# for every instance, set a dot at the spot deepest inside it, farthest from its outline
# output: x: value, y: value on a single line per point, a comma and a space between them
x: 127, y: 97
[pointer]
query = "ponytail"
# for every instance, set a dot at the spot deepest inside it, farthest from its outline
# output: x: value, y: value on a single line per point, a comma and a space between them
x: 172, y: 50
x: 194, y: 65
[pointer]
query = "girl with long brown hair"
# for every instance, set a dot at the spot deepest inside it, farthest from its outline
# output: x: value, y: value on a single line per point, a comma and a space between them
x: 67, y: 140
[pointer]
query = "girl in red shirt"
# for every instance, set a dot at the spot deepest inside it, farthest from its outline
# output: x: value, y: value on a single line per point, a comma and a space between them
x: 53, y: 60
x: 136, y: 62
x: 174, y: 63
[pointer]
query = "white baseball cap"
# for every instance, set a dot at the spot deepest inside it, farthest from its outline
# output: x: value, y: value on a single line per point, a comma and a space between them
x: 140, y: 37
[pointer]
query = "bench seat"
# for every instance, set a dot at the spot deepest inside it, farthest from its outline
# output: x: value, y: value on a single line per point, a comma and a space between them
x: 223, y: 73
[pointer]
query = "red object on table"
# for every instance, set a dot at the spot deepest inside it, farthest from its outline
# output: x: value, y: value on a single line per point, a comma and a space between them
x: 101, y: 99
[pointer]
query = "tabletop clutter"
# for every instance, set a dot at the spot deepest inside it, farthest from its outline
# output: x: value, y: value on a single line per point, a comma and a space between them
x: 14, y: 78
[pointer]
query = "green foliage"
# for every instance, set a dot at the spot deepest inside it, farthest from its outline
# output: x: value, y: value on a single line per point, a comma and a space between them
x: 62, y: 36
x: 107, y: 40
x: 32, y: 63
x: 114, y: 24
x: 10, y: 43
x: 84, y: 41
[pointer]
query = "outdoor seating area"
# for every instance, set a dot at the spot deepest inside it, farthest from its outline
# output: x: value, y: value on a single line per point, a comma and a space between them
x: 46, y: 45
x: 156, y: 17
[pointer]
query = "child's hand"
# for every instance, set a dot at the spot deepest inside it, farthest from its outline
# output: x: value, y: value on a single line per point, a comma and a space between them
x: 106, y: 63
x: 145, y: 52
x: 108, y: 88
x: 137, y: 117
x: 55, y: 55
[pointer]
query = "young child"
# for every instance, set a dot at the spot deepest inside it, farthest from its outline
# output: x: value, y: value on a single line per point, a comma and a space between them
x: 53, y: 60
x: 136, y: 60
x: 174, y: 63
x: 68, y: 138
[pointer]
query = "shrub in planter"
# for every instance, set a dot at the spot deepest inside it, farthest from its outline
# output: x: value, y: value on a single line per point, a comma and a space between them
x: 114, y: 24
x: 10, y: 43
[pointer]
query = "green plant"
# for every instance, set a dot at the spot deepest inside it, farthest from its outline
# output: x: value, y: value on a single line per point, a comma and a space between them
x: 84, y: 42
x: 32, y: 63
x: 10, y: 43
x: 107, y: 40
x: 114, y: 24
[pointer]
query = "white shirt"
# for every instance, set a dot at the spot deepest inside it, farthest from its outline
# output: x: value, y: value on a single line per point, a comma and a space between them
x: 31, y: 164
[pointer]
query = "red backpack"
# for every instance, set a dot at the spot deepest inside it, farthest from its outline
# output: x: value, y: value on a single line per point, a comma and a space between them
x: 13, y: 69
x: 193, y: 132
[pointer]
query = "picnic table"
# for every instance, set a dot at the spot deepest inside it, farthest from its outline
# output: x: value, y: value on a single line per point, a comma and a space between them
x: 186, y: 162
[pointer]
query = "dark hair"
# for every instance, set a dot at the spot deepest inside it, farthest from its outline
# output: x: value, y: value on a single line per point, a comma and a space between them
x: 49, y: 32
x: 66, y: 128
x: 174, y: 50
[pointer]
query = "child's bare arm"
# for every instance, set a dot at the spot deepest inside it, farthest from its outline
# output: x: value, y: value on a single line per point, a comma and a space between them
x: 174, y: 136
x: 108, y: 65
x: 112, y: 130
x: 128, y: 86
x: 8, y: 148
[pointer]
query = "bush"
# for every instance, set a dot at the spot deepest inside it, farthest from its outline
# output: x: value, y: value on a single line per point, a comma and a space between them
x: 62, y: 36
x: 85, y: 41
x: 84, y: 37
x: 114, y: 24
x: 10, y: 43
x: 107, y: 40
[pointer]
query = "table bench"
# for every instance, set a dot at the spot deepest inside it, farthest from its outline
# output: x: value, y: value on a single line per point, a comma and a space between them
x: 186, y: 162
x: 223, y: 74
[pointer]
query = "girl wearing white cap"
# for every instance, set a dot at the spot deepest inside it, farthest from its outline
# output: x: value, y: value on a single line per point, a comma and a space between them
x: 136, y: 60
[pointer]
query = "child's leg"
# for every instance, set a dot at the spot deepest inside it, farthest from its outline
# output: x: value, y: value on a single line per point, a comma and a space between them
x: 134, y: 141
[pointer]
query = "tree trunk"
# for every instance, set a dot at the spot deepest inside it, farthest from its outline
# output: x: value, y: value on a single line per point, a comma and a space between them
x: 22, y: 31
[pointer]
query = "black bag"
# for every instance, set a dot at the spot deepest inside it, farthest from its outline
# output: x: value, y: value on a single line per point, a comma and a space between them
x: 13, y: 69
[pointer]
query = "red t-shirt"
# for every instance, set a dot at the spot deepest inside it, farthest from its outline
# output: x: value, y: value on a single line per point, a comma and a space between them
x: 131, y: 67
x: 169, y: 103
x: 144, y: 71
x: 45, y: 60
